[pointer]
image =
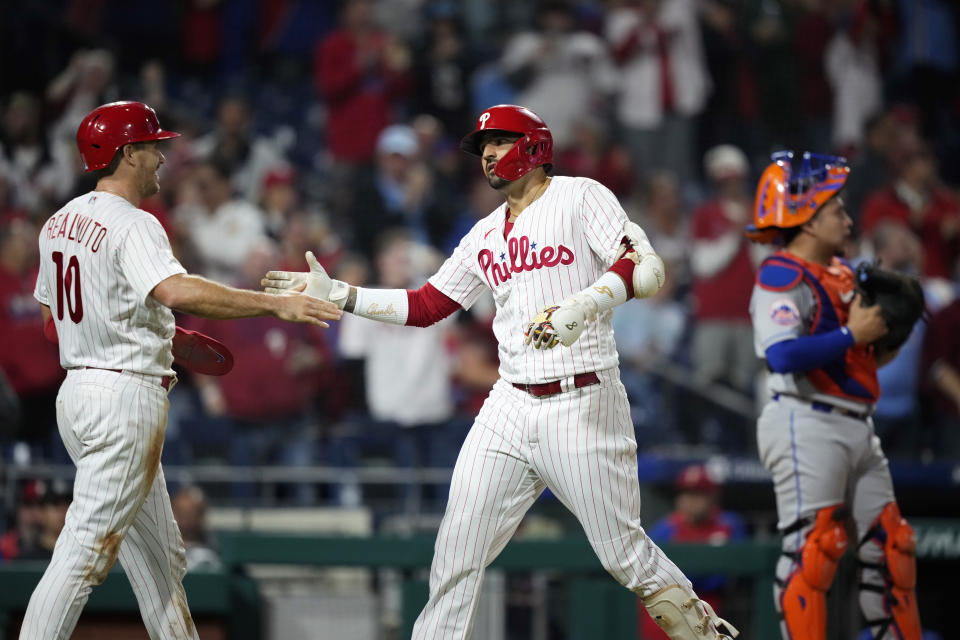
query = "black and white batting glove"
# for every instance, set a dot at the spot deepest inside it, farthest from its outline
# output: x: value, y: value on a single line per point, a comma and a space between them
x: 540, y: 331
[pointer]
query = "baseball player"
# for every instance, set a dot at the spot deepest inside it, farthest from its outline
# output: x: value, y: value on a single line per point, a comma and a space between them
x: 107, y: 284
x: 557, y: 256
x: 815, y: 435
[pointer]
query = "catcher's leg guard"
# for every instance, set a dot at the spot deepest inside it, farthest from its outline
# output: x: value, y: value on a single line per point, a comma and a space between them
x: 897, y: 570
x: 683, y: 616
x: 803, y: 599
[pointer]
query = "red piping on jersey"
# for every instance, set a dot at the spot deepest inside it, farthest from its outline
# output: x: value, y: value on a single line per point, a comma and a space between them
x: 428, y: 305
x: 508, y: 225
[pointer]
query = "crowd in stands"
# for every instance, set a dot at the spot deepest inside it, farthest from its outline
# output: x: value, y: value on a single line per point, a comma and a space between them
x: 334, y: 127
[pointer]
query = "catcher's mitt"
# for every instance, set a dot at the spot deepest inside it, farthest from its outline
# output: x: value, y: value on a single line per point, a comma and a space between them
x: 901, y: 302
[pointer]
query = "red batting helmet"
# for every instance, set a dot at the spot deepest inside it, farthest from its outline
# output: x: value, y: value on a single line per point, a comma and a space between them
x: 534, y: 148
x: 108, y: 127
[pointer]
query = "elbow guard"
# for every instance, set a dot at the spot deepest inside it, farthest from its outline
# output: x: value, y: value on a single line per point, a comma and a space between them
x: 649, y: 273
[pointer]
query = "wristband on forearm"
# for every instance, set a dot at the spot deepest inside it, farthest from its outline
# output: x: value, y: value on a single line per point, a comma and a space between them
x: 383, y: 305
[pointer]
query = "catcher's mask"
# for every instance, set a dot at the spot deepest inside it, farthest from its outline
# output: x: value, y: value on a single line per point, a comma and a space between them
x: 789, y: 195
x: 533, y: 149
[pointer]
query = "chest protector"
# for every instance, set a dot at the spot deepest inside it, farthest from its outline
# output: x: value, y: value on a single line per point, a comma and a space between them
x: 854, y: 375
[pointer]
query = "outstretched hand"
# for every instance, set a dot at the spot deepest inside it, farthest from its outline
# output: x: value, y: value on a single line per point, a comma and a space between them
x: 315, y: 283
x: 299, y: 307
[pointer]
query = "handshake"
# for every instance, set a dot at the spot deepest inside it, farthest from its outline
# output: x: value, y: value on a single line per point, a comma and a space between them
x: 315, y: 283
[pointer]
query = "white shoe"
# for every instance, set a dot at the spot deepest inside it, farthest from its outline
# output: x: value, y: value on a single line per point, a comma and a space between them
x: 683, y: 616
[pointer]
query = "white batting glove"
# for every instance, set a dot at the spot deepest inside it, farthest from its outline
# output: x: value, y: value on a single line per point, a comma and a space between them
x: 315, y: 283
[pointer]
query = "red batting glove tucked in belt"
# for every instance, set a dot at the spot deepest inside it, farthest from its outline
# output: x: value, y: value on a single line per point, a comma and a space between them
x: 201, y: 353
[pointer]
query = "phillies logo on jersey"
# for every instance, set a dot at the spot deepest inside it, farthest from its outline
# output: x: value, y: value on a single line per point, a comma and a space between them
x: 521, y: 255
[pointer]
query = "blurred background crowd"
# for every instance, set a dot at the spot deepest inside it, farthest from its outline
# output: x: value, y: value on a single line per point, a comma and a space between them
x: 334, y: 127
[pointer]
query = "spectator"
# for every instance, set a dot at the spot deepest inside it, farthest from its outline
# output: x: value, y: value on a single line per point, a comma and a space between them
x: 55, y: 500
x: 561, y: 72
x: 918, y: 201
x: 247, y: 158
x: 279, y: 200
x: 926, y: 62
x: 871, y: 167
x: 399, y: 194
x: 362, y: 73
x: 221, y: 228
x: 723, y: 274
x: 697, y: 518
x: 666, y: 223
x: 853, y: 69
x: 29, y: 361
x: 663, y: 83
x: 811, y: 34
x: 268, y: 396
x: 731, y: 114
x: 411, y: 411
x: 593, y: 155
x: 442, y: 69
x: 87, y: 82
x: 649, y: 333
x: 190, y: 511
x: 37, y: 174
x: 24, y: 535
x: 941, y: 384
x: 896, y: 415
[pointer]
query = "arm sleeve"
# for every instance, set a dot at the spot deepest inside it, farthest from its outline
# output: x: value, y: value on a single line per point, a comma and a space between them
x: 428, y: 306
x: 146, y: 258
x: 602, y: 219
x: 808, y: 352
x: 456, y: 278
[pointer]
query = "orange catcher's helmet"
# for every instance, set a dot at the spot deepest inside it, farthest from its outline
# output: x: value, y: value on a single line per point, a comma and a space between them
x: 110, y: 126
x: 791, y: 193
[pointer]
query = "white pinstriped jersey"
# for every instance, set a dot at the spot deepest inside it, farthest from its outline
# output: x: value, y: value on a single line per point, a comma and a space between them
x: 100, y: 257
x: 561, y: 244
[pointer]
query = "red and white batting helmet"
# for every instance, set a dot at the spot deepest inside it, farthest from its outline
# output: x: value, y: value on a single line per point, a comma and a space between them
x: 533, y: 149
x: 108, y: 127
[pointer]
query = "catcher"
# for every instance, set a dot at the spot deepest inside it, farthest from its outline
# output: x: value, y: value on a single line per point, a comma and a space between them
x: 823, y: 330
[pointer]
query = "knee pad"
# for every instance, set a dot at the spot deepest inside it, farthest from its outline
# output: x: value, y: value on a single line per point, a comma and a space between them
x: 898, y: 567
x: 803, y: 600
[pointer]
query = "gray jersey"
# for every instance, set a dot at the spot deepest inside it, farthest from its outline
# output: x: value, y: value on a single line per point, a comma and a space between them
x: 786, y: 315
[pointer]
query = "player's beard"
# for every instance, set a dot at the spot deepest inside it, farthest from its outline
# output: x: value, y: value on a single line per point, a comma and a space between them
x: 149, y: 184
x: 497, y: 182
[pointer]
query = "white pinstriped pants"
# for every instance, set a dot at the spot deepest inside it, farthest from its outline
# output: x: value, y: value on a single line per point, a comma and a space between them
x: 581, y: 445
x: 112, y: 425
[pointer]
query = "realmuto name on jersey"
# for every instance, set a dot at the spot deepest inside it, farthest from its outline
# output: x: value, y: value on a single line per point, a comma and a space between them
x: 80, y: 228
x: 523, y: 256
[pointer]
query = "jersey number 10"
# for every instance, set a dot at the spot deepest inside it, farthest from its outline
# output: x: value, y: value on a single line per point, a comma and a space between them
x: 68, y: 285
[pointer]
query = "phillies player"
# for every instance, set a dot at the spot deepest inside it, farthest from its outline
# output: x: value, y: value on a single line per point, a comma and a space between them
x: 107, y: 283
x: 815, y: 435
x: 561, y: 251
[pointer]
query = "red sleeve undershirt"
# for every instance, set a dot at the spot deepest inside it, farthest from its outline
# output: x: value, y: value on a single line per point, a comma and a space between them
x: 624, y: 267
x: 428, y: 305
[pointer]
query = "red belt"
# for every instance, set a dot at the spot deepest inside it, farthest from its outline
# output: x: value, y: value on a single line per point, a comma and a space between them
x: 549, y: 388
x: 164, y: 380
